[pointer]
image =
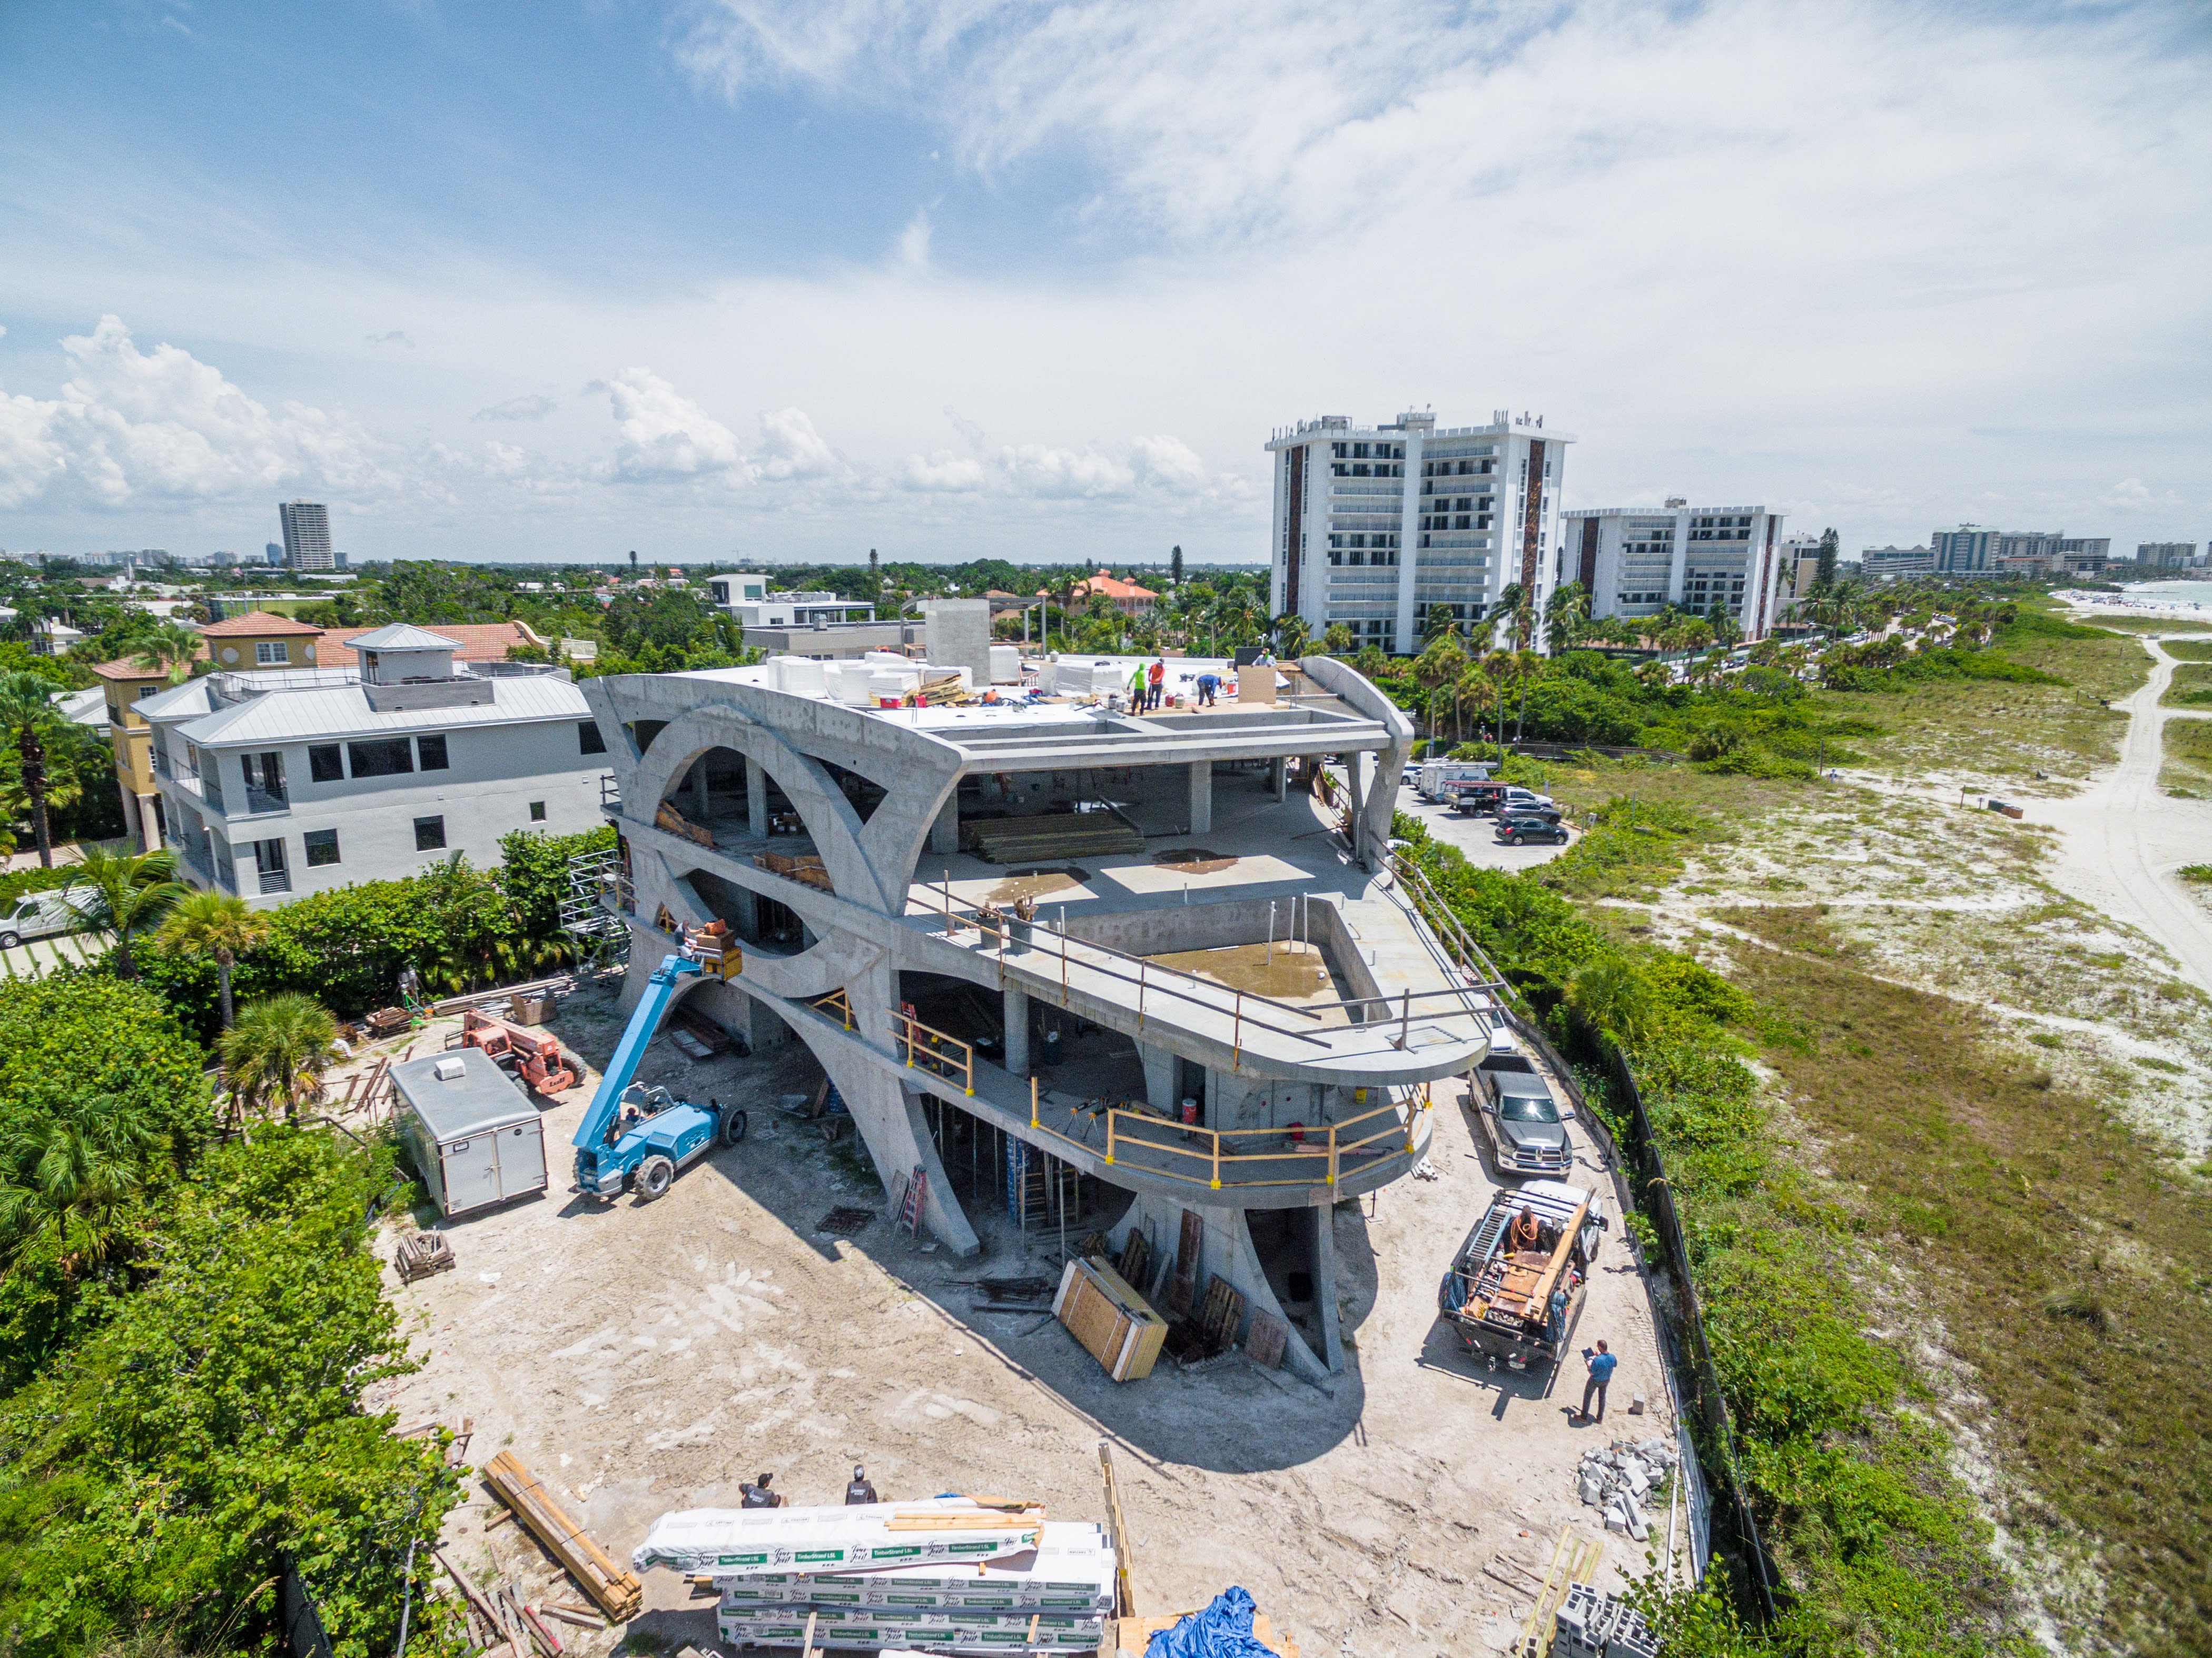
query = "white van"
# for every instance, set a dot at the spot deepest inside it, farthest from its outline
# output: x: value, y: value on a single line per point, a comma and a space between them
x: 40, y: 915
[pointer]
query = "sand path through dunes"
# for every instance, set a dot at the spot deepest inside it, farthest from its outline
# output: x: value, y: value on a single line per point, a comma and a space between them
x: 2123, y: 839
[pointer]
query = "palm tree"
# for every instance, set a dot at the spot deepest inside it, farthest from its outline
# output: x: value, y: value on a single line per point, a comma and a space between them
x: 124, y: 894
x: 218, y: 925
x: 1337, y: 641
x: 170, y: 647
x: 1467, y: 692
x: 27, y: 715
x: 82, y: 1160
x: 1611, y: 996
x: 1437, y: 667
x: 1512, y: 601
x: 1291, y: 635
x: 1567, y: 617
x: 276, y: 1053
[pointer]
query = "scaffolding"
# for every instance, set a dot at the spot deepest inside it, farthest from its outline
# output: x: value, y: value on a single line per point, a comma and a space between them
x: 590, y: 911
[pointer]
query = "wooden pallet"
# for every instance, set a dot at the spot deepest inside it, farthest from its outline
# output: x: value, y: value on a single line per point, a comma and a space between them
x: 618, y: 1592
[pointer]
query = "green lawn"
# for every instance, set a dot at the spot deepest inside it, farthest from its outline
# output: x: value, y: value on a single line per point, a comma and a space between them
x: 2187, y: 650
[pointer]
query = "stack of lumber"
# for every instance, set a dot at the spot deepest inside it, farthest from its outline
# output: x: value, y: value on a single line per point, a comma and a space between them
x: 676, y: 822
x: 1115, y: 1324
x: 618, y: 1592
x: 1051, y: 838
x: 805, y: 868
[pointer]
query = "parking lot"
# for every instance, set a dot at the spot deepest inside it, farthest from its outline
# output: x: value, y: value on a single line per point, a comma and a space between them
x: 1477, y: 836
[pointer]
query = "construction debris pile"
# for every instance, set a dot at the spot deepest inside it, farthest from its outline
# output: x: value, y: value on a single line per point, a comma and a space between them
x: 953, y: 1574
x: 1617, y: 1479
x: 1595, y: 1626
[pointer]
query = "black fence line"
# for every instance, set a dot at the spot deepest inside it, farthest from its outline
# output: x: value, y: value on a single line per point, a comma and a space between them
x: 1716, y: 1445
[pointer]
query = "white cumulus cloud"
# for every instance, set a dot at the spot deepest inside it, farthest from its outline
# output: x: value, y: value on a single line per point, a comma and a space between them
x: 939, y: 472
x: 792, y: 449
x: 662, y: 433
x: 131, y: 427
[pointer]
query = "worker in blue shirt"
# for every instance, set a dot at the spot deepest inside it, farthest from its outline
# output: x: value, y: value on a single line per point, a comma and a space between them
x: 1600, y: 1365
x: 1207, y: 684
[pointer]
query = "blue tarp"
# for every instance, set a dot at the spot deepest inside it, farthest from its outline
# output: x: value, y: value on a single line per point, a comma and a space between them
x: 1224, y: 1629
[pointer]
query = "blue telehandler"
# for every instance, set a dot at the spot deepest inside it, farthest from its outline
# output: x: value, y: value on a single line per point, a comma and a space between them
x: 638, y: 1136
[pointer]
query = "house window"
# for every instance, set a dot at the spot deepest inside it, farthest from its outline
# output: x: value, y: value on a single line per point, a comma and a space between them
x: 325, y: 765
x: 269, y: 865
x: 433, y: 752
x: 384, y: 757
x: 537, y: 811
x: 588, y: 740
x: 271, y: 653
x: 114, y: 714
x: 429, y: 834
x: 322, y: 847
x: 145, y: 691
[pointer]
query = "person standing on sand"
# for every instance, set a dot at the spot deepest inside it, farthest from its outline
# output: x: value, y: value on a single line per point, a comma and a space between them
x: 1601, y: 1365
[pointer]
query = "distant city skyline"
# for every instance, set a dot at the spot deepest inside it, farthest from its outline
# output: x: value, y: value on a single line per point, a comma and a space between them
x: 796, y: 278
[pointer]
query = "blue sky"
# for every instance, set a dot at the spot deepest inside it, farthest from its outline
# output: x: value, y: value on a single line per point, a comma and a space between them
x: 742, y: 277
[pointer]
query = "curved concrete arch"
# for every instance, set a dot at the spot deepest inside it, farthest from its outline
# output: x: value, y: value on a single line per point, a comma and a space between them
x: 830, y: 964
x: 870, y: 863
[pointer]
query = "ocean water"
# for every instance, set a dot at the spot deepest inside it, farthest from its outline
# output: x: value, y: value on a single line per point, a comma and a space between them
x: 2173, y: 593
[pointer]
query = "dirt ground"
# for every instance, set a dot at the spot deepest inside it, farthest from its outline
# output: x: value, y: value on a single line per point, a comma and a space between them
x: 642, y: 1359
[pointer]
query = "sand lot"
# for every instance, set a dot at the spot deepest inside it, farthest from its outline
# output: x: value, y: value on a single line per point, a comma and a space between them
x: 645, y: 1357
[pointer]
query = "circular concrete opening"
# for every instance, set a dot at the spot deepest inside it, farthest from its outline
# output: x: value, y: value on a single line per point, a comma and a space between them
x: 1193, y: 860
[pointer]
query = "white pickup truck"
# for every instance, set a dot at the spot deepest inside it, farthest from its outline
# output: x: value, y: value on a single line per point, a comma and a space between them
x: 40, y: 915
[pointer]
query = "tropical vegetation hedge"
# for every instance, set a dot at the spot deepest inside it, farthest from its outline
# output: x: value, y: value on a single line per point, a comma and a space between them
x: 185, y: 1330
x: 457, y: 926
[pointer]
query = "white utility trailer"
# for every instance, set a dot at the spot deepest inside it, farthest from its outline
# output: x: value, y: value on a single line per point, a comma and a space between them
x: 474, y: 1136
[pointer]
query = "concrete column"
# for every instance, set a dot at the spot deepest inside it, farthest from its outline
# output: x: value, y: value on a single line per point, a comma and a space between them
x: 1160, y: 1079
x: 699, y: 801
x: 1324, y: 1272
x: 149, y: 822
x: 1355, y: 766
x: 944, y: 834
x: 1018, y: 1030
x: 888, y: 1115
x: 1201, y: 797
x: 1279, y: 779
x: 756, y: 799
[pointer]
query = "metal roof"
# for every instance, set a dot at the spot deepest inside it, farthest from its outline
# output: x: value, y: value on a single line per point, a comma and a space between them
x: 339, y: 711
x: 482, y: 1099
x: 402, y: 636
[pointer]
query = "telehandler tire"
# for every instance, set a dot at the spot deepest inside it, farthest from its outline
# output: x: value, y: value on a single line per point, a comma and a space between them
x: 654, y: 1177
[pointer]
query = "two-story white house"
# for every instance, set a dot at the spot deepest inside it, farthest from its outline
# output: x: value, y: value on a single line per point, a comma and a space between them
x: 278, y: 784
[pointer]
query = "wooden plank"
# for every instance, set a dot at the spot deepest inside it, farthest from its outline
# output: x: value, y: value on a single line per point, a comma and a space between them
x: 1125, y: 1593
x: 617, y: 1592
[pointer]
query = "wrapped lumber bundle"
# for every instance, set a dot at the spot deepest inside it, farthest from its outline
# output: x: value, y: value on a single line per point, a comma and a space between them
x: 741, y: 1542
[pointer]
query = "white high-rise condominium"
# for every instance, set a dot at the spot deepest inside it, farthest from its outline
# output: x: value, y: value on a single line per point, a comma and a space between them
x: 1375, y: 525
x: 1635, y: 560
x: 307, y: 535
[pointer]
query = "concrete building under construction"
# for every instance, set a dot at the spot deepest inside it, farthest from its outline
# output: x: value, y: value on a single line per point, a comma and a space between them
x: 1224, y: 1008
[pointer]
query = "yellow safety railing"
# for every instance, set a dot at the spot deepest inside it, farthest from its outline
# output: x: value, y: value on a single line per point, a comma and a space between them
x: 935, y: 1050
x: 836, y: 1005
x: 1314, y: 1156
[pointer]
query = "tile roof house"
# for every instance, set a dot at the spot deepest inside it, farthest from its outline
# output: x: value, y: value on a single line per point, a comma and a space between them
x: 1128, y: 597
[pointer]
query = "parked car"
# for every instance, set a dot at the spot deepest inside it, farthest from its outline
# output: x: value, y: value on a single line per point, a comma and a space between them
x: 40, y: 915
x: 1520, y: 1115
x: 1520, y: 831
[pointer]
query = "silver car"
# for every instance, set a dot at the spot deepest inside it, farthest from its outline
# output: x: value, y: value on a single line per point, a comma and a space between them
x: 40, y: 915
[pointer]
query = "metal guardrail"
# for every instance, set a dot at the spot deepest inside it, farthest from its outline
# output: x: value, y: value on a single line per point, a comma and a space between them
x: 1144, y: 1141
x: 1377, y: 1013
